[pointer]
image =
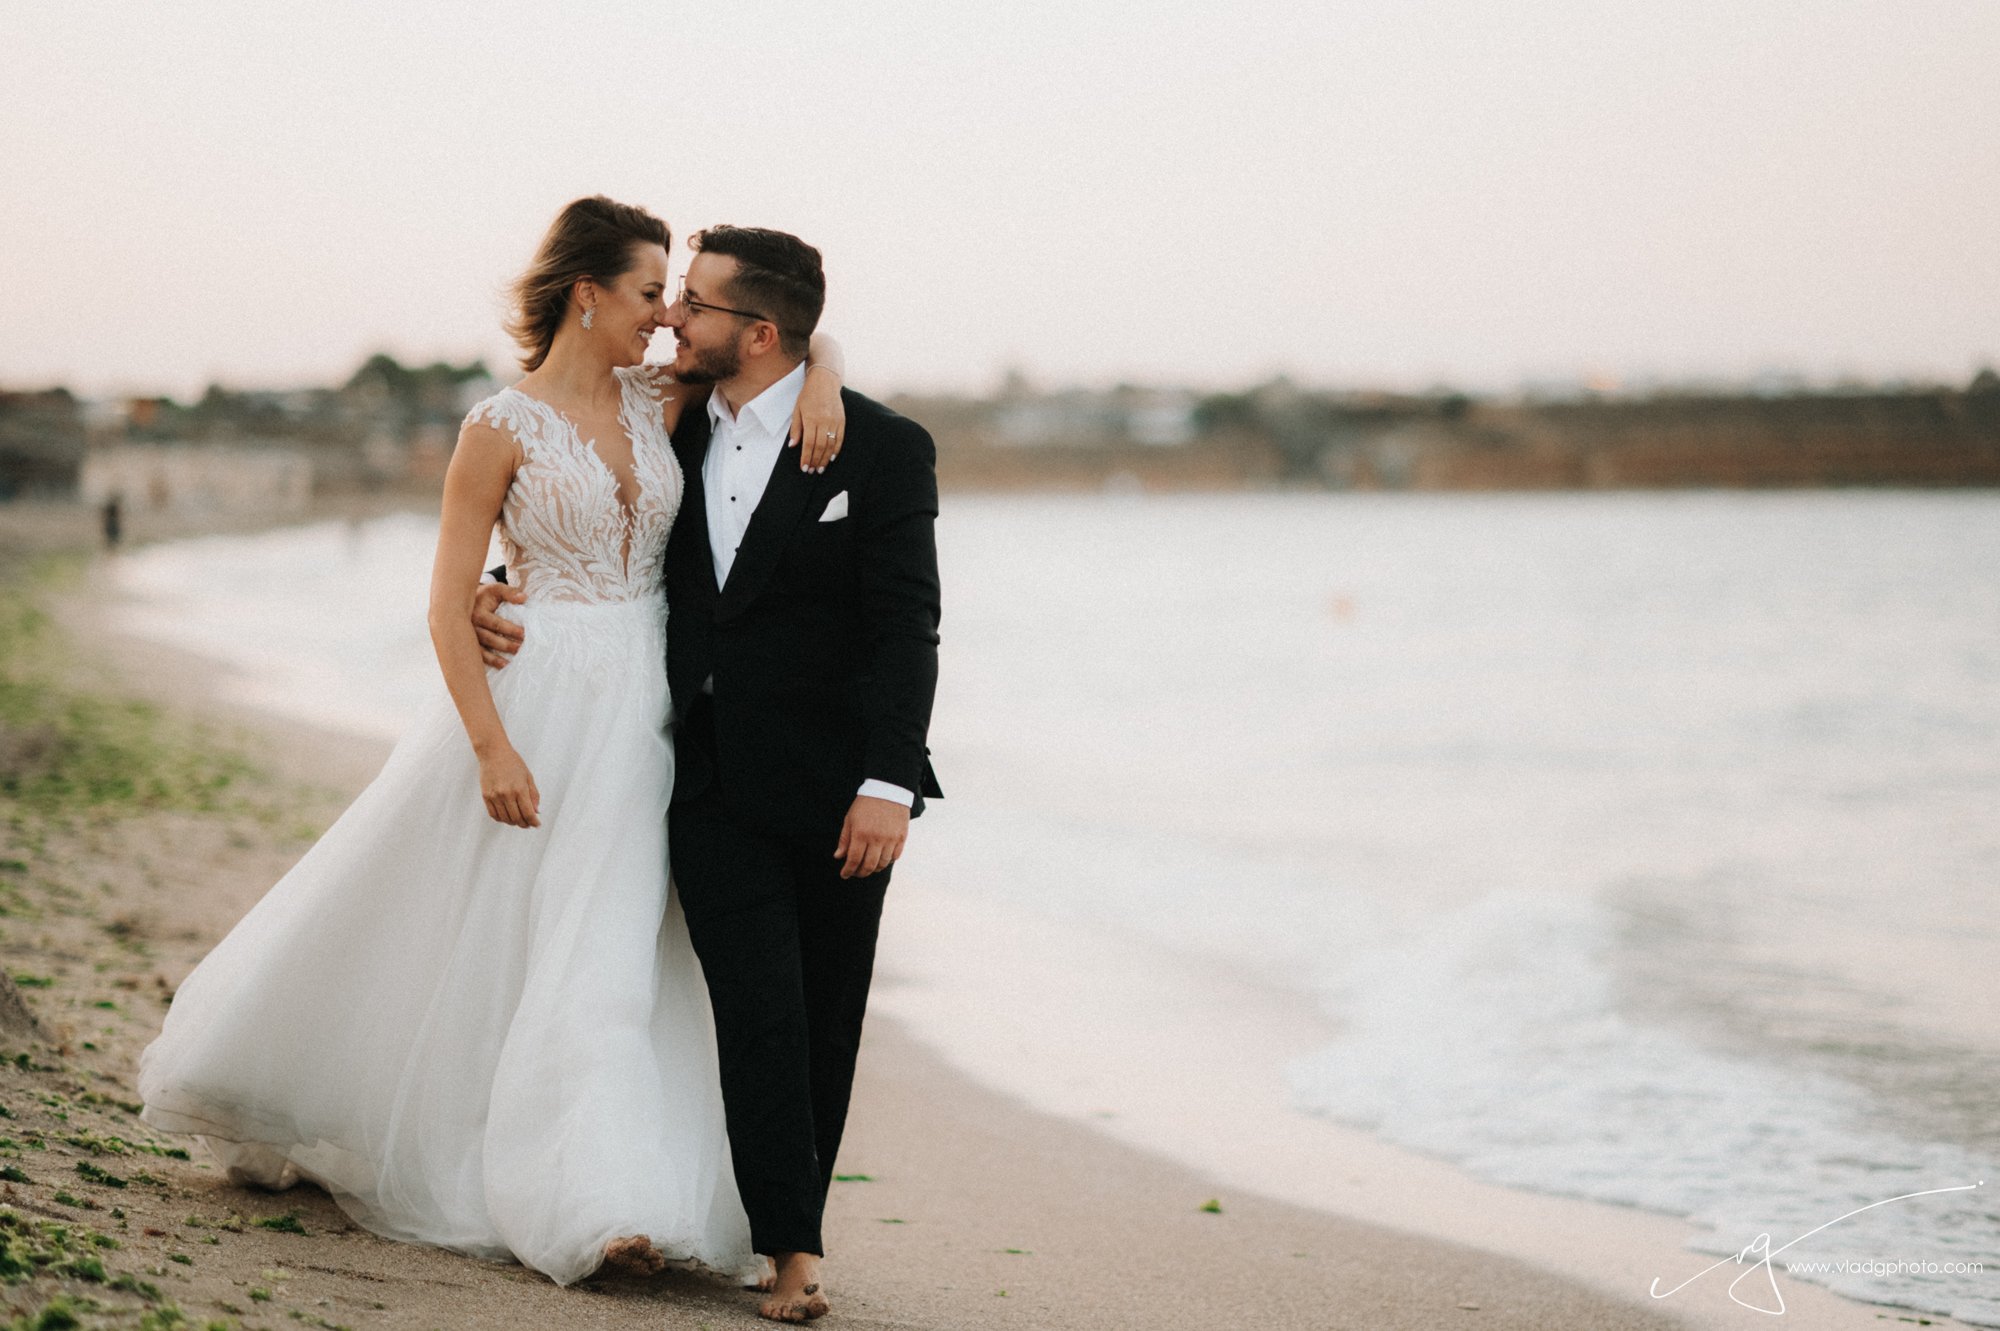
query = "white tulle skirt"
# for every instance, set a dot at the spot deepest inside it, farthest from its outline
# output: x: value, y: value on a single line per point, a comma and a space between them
x: 491, y: 1039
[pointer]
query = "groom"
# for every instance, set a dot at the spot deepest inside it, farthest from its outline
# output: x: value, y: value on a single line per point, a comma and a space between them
x: 802, y: 657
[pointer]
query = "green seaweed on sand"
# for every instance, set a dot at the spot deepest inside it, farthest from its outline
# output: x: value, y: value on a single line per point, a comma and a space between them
x: 61, y: 1313
x: 29, y: 1246
x: 67, y: 750
x: 98, y: 1145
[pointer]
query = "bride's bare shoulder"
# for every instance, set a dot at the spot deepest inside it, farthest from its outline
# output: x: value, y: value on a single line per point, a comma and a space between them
x: 675, y: 397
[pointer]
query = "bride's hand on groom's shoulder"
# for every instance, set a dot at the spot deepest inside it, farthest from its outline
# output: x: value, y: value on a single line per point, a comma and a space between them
x: 819, y: 421
x: 499, y: 638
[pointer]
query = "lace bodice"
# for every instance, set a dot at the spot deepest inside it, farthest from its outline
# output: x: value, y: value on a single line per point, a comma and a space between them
x: 565, y: 534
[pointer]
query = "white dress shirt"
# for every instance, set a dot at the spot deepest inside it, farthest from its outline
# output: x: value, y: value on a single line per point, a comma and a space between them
x: 743, y: 449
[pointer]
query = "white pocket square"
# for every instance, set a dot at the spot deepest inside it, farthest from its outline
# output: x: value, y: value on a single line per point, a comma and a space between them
x: 836, y: 508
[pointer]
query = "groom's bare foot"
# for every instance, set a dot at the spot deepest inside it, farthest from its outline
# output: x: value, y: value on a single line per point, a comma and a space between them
x: 796, y: 1295
x: 633, y: 1256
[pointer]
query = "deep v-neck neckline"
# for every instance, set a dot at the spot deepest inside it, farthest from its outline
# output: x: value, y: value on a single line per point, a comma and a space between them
x: 589, y: 446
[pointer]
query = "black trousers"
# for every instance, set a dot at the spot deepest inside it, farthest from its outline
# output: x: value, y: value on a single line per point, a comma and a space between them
x: 788, y: 948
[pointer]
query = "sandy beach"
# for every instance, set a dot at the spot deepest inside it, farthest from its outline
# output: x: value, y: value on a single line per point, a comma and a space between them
x: 968, y: 1207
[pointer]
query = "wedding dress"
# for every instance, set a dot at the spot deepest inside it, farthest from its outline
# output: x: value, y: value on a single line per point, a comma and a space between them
x: 488, y: 1038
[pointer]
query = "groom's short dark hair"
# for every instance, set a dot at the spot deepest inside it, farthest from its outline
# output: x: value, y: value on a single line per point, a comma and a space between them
x: 778, y: 276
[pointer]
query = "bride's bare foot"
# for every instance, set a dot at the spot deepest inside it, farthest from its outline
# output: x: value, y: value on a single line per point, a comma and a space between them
x: 796, y: 1295
x: 633, y: 1256
x: 766, y: 1282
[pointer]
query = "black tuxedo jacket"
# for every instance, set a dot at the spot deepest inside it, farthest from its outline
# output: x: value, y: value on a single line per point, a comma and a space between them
x: 823, y: 644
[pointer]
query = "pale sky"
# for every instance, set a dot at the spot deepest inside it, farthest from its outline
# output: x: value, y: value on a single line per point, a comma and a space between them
x: 1397, y: 192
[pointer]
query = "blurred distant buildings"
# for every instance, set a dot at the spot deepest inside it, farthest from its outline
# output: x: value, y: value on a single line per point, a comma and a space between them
x: 390, y: 428
x: 236, y: 453
x: 1773, y: 433
x: 1126, y: 414
x: 41, y: 443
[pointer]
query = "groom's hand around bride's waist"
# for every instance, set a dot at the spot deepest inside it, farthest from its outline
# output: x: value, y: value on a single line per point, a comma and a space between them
x: 872, y: 837
x: 499, y: 638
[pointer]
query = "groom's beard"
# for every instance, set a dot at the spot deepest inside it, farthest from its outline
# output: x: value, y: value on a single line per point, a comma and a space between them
x: 711, y: 365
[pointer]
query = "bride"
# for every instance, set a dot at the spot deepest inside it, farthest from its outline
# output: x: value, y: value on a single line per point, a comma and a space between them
x: 471, y: 1011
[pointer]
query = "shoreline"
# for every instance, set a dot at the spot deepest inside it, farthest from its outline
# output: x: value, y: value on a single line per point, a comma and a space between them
x: 1186, y: 1062
x: 1242, y: 1136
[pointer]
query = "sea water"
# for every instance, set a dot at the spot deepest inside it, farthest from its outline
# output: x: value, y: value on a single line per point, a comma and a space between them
x: 1641, y: 847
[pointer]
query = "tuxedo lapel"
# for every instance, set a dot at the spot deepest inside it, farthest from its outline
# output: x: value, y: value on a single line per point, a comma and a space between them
x: 690, y: 530
x: 777, y: 513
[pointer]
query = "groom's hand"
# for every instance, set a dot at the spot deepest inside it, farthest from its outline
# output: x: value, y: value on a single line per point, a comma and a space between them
x: 872, y: 837
x: 498, y: 638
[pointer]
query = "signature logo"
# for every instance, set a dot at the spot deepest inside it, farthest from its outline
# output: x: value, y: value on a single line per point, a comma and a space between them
x: 1761, y: 1247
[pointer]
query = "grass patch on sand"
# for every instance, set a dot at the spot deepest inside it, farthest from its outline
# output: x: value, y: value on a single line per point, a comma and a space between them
x: 69, y: 751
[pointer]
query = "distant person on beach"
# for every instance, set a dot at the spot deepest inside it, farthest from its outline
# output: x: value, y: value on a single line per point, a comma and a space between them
x: 114, y: 523
x: 474, y: 1011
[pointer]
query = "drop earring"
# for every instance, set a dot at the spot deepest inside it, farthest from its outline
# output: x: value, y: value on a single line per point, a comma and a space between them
x: 587, y: 316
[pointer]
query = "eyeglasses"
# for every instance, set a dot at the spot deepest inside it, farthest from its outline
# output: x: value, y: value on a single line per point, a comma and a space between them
x: 692, y: 304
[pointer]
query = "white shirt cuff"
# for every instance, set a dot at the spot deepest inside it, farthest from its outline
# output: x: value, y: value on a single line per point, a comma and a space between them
x: 882, y: 790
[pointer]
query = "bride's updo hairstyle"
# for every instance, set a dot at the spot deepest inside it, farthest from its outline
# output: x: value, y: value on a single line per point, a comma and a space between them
x: 590, y: 238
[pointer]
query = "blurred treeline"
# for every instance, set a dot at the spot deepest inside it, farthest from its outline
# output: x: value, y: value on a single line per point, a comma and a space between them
x: 390, y: 427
